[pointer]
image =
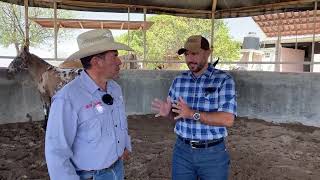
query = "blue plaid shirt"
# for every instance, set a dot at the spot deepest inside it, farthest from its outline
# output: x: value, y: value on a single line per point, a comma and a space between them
x: 213, y: 91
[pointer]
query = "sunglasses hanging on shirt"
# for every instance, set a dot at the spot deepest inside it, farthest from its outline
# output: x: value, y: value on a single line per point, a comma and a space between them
x: 107, y: 99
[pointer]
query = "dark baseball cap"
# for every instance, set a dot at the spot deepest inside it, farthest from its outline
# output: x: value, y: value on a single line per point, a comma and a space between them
x: 194, y: 44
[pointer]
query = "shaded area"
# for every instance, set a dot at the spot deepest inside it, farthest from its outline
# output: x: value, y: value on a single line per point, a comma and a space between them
x: 259, y: 150
x: 202, y: 9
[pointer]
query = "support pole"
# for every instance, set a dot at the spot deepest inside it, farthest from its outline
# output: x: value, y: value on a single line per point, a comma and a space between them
x: 214, y: 5
x: 128, y: 27
x: 26, y: 18
x: 296, y: 28
x: 55, y: 30
x: 314, y: 33
x: 278, y: 47
x: 144, y: 33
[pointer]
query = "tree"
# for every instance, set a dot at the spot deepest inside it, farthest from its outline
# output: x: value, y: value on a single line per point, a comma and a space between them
x: 12, y: 24
x: 168, y: 33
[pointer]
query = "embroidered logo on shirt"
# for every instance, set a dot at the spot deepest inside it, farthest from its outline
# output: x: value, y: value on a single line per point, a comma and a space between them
x: 93, y: 104
x: 99, y: 108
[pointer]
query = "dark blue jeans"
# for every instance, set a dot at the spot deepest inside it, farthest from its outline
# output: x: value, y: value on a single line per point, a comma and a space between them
x: 116, y: 172
x: 210, y: 163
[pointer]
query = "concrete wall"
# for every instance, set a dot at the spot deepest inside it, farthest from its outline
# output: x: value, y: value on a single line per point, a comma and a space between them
x: 278, y: 97
x: 19, y: 99
x: 272, y: 96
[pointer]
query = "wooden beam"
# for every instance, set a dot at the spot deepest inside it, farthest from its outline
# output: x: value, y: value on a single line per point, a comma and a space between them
x: 132, y: 6
x: 288, y: 24
x: 121, y: 26
x: 49, y: 1
x: 80, y: 23
x: 292, y: 33
x: 266, y: 6
x: 294, y: 18
x: 305, y: 28
x: 101, y: 5
x: 92, y: 24
x: 87, y: 20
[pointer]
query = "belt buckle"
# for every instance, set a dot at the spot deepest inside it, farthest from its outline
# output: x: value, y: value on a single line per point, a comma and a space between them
x: 192, y: 144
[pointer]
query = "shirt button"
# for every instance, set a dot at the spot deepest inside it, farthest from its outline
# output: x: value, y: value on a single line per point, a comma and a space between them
x: 118, y: 141
x: 116, y: 125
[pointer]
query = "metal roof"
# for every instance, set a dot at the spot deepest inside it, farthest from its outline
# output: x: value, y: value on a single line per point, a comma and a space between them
x: 189, y: 8
x: 92, y: 24
x: 289, y: 23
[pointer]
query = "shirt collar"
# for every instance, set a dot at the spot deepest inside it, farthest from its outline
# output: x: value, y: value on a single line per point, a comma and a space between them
x: 207, y: 72
x: 88, y: 83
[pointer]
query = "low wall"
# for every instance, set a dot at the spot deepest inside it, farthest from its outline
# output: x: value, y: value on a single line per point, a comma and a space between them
x: 272, y: 96
x: 19, y: 99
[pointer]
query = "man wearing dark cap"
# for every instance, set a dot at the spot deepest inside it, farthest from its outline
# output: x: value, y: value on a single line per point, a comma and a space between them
x: 202, y: 101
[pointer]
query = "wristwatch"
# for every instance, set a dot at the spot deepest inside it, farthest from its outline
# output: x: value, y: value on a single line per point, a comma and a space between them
x: 196, y: 116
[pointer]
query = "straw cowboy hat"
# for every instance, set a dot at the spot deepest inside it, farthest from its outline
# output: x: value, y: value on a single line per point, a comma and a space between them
x: 95, y: 42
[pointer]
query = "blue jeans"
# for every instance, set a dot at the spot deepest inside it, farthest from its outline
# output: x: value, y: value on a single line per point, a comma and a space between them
x: 116, y: 172
x: 210, y: 163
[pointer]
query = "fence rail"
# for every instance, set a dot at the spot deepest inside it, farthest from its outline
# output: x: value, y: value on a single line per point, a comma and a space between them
x: 221, y: 62
x: 175, y: 62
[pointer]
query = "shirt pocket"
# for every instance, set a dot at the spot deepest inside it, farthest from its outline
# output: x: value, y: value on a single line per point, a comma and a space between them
x: 120, y: 108
x: 209, y: 101
x: 90, y: 127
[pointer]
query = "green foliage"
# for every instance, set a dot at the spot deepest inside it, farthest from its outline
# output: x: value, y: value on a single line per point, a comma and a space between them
x: 12, y: 24
x: 168, y: 34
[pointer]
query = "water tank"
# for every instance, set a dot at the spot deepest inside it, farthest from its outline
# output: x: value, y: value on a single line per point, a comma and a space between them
x: 251, y: 41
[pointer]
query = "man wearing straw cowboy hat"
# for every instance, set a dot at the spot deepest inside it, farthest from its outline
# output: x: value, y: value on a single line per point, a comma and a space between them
x: 87, y: 132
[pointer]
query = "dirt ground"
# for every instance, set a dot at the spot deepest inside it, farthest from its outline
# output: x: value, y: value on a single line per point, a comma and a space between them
x: 259, y: 150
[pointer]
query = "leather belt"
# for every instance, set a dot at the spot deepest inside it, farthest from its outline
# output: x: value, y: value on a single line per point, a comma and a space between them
x: 201, y: 143
x: 93, y: 171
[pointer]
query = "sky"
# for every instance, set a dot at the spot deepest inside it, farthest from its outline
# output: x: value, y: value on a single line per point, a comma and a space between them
x: 239, y: 28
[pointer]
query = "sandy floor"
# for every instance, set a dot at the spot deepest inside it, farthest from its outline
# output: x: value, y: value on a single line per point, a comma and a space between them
x: 259, y: 150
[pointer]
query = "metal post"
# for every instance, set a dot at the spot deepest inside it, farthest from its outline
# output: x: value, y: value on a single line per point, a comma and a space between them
x: 314, y: 33
x: 278, y: 48
x: 131, y: 64
x: 296, y: 28
x: 144, y: 33
x: 214, y: 5
x: 26, y: 18
x: 128, y: 27
x: 55, y: 30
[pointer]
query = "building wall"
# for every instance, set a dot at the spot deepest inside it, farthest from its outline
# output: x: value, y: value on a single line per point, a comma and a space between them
x: 292, y: 55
